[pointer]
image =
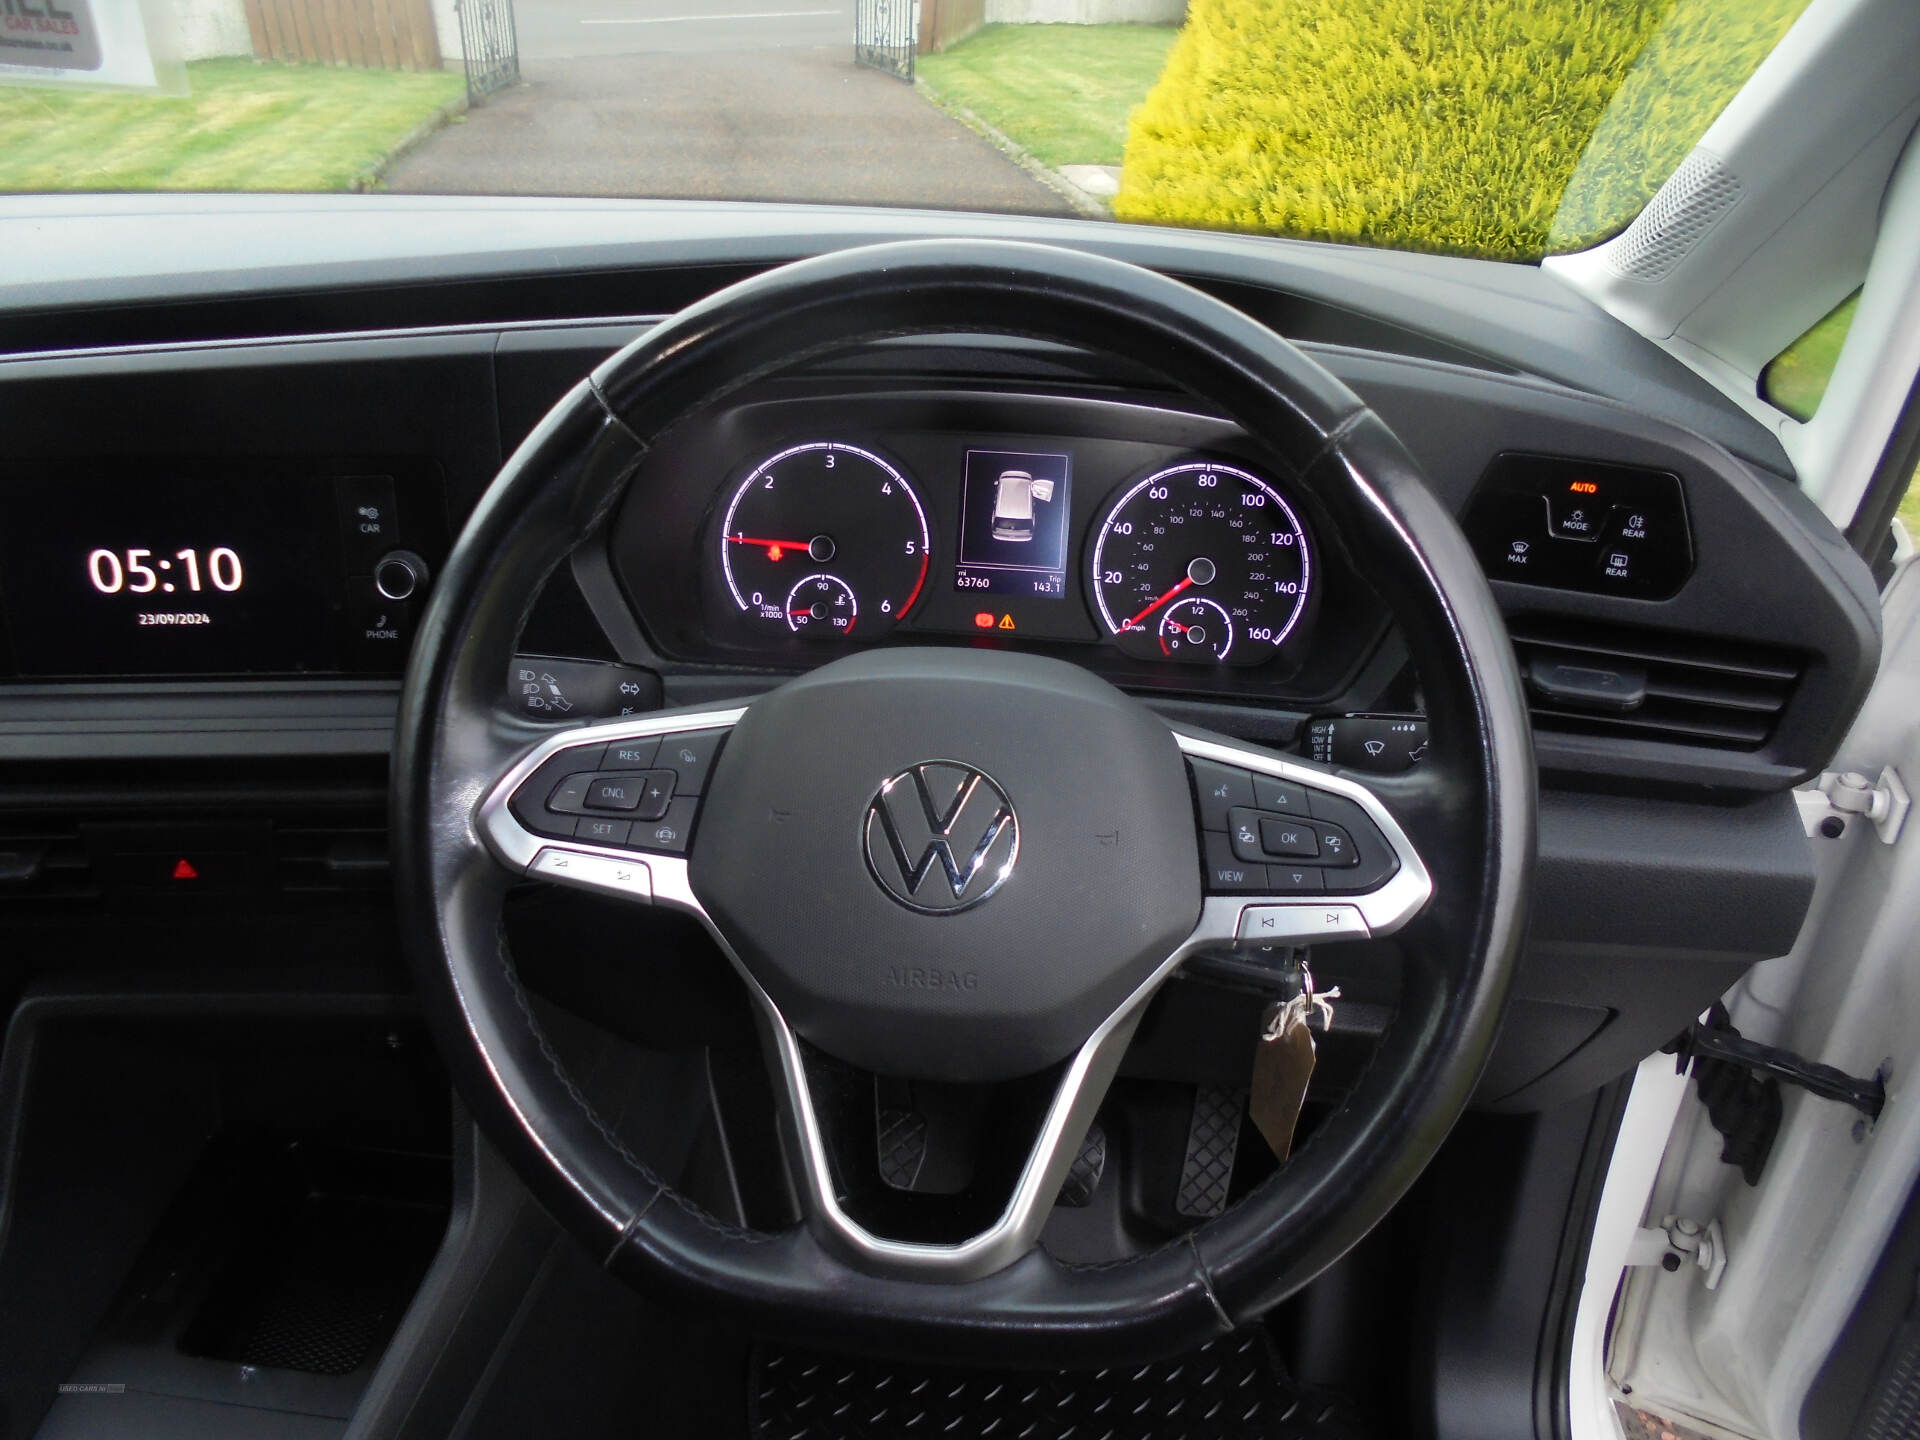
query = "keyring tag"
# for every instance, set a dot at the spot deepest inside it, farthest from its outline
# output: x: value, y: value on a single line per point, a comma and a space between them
x: 1283, y: 1062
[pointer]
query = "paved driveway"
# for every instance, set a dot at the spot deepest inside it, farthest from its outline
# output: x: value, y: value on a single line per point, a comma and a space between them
x: 565, y: 29
x: 712, y: 99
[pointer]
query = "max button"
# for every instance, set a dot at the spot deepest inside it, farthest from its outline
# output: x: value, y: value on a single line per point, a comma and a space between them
x: 1305, y: 923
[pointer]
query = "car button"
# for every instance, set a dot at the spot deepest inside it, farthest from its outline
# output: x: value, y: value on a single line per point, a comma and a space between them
x: 1303, y: 922
x: 367, y: 523
x: 1220, y: 788
x: 690, y: 756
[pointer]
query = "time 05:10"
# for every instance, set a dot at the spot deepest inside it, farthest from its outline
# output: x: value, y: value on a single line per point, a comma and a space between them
x: 137, y: 574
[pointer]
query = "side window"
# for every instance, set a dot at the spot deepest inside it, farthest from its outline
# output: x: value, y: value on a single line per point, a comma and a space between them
x: 1797, y: 377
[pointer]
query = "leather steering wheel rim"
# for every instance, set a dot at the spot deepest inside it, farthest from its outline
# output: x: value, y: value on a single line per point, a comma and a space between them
x: 1470, y: 808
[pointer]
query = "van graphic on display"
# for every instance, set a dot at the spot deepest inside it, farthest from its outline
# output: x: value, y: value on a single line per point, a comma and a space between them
x: 1013, y: 500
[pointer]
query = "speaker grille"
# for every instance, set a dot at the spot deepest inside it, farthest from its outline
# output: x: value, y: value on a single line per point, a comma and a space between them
x: 1686, y: 207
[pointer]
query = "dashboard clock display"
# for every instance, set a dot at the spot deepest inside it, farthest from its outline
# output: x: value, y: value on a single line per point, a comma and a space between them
x: 1201, y: 563
x: 826, y: 541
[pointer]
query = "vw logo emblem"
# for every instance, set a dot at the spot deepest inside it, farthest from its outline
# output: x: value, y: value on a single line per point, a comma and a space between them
x: 941, y: 837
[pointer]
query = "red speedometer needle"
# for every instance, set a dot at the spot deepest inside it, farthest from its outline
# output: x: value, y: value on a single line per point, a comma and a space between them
x: 774, y: 548
x: 1185, y: 582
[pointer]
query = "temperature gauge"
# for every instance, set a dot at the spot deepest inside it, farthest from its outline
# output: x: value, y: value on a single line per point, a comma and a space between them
x: 822, y: 605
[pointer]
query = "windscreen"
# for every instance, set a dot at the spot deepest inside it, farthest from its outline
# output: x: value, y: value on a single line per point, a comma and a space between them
x: 1507, y: 129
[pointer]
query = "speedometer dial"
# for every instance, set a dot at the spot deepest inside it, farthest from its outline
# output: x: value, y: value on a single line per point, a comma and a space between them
x: 1201, y: 563
x: 826, y: 541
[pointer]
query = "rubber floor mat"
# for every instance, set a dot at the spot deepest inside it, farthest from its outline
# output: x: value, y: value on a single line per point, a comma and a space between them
x: 1232, y: 1387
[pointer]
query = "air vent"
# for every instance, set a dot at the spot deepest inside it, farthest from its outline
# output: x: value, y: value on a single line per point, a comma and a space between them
x: 330, y: 858
x: 43, y: 861
x: 1649, y: 685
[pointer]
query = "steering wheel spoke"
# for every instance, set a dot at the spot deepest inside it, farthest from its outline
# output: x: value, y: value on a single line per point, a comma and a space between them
x: 609, y: 808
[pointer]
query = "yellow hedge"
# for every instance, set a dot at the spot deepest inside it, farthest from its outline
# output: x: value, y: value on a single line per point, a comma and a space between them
x: 1448, y: 125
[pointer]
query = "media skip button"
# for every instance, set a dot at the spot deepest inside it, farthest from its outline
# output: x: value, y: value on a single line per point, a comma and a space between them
x: 1301, y: 924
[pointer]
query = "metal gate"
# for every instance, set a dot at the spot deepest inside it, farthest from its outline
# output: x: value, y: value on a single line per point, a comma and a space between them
x: 885, y: 33
x: 488, y: 42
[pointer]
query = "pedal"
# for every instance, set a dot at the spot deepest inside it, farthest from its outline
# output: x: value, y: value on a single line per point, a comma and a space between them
x: 1213, y: 1138
x: 900, y: 1136
x: 1088, y: 1166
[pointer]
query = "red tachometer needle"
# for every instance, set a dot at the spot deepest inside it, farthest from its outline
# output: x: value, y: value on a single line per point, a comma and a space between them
x: 774, y: 548
x: 1185, y: 582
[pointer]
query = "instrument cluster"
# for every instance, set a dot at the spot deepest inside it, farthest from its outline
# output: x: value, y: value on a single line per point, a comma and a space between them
x: 1195, y: 562
x: 1158, y: 546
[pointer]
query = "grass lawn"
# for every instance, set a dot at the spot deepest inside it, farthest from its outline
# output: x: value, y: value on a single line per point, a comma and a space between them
x: 1061, y: 92
x: 246, y: 126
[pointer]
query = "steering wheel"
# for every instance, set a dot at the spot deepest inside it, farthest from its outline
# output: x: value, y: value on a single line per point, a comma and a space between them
x: 952, y: 864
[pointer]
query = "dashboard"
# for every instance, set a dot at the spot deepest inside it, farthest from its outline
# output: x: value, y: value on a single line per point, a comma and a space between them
x: 291, y: 446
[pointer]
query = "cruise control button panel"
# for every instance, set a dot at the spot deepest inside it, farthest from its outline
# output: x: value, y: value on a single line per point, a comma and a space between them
x: 1329, y: 847
x: 640, y: 794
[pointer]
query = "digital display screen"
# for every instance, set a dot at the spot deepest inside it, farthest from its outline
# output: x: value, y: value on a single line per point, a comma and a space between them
x: 1014, y: 512
x: 123, y: 571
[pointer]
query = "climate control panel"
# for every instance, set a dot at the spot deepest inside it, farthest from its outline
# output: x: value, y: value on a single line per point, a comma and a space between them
x: 1574, y: 525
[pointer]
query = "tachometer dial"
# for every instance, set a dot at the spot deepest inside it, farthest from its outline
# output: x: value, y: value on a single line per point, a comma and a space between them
x: 1203, y: 563
x: 815, y: 504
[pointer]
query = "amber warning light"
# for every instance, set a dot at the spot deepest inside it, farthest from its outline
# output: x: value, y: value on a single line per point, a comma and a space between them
x: 1584, y: 487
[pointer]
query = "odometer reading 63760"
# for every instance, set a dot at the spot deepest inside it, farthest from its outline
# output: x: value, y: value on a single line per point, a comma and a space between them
x: 1202, y: 563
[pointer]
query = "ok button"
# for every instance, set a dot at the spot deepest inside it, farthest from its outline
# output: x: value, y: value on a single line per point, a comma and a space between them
x: 622, y: 792
x: 1288, y: 837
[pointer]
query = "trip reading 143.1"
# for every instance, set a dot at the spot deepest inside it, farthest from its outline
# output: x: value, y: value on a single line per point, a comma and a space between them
x: 137, y: 572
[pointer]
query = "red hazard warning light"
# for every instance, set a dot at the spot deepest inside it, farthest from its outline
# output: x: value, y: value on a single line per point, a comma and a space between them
x: 983, y: 620
x: 183, y: 869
